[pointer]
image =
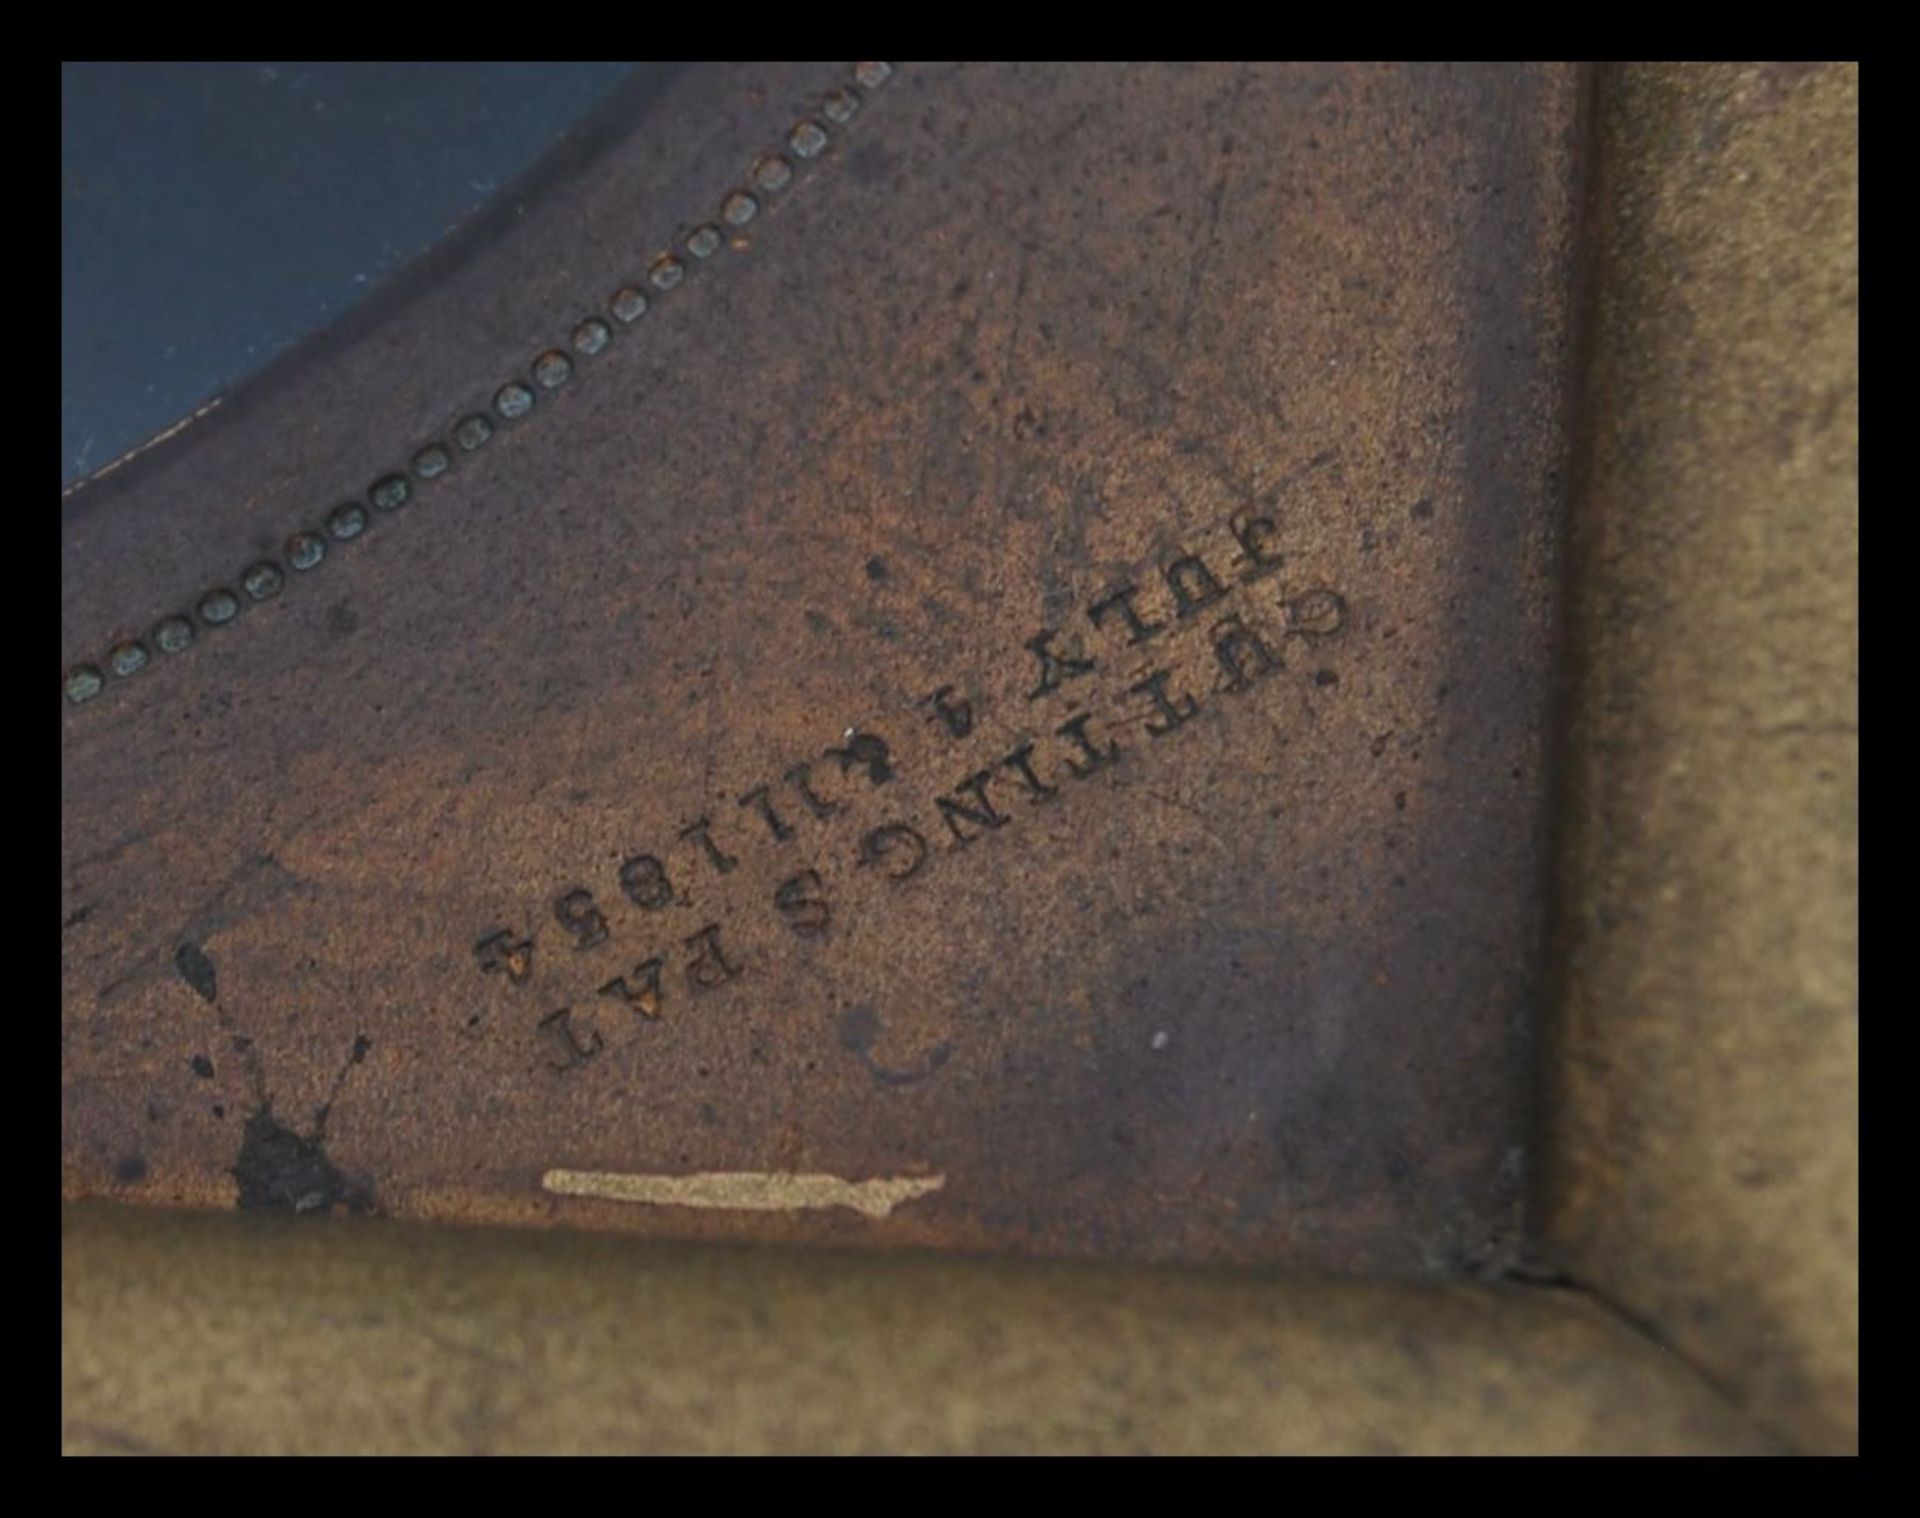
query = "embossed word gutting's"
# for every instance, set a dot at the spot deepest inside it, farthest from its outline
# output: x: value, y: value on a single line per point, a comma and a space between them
x: 1247, y: 616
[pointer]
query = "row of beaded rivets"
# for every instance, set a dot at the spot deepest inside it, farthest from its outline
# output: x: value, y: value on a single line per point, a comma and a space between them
x: 308, y: 548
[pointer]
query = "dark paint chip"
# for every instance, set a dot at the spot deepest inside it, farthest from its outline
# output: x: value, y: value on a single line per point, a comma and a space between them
x: 279, y: 1171
x: 195, y: 969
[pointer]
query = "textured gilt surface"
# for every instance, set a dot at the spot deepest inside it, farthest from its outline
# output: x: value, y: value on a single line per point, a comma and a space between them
x: 270, y: 1336
x: 1704, y: 1166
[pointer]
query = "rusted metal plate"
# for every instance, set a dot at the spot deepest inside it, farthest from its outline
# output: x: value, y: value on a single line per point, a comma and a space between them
x: 1004, y: 709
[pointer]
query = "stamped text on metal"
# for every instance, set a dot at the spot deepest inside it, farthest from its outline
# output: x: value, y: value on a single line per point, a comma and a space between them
x: 1102, y: 692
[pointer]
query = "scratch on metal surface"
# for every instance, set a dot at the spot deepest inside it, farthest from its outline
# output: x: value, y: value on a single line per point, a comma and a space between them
x: 746, y: 1190
x: 153, y: 442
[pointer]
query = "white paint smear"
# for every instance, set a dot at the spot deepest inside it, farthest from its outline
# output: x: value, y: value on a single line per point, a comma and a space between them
x: 746, y: 1190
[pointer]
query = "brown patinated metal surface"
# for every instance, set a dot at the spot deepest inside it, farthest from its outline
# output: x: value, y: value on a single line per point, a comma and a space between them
x: 951, y: 655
